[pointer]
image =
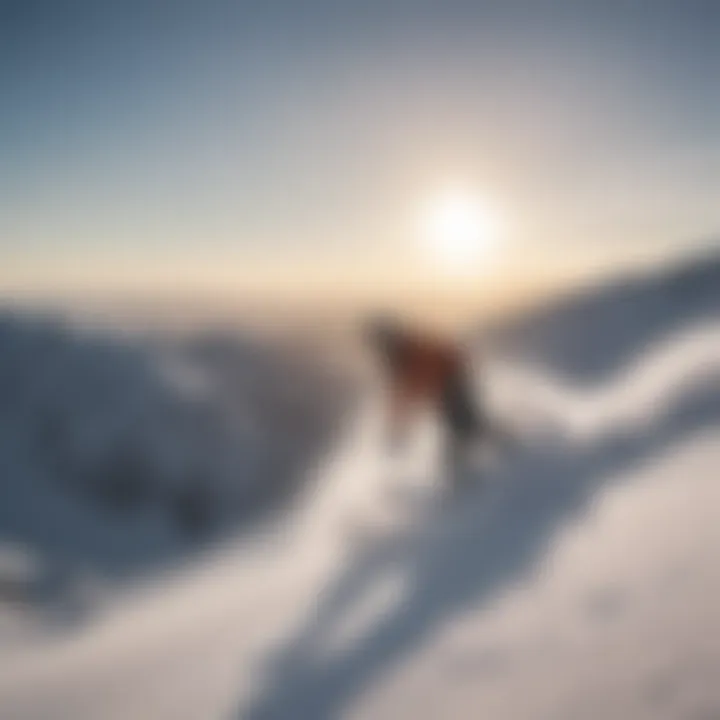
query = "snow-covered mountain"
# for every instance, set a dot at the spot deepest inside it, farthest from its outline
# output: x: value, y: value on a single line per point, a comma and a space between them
x: 592, y: 332
x: 117, y: 447
x: 578, y: 580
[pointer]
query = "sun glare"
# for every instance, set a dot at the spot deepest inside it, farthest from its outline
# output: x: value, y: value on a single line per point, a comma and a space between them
x: 460, y: 232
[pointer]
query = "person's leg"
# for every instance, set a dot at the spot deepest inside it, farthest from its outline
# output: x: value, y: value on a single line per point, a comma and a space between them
x: 461, y: 425
x: 399, y: 416
x: 456, y: 468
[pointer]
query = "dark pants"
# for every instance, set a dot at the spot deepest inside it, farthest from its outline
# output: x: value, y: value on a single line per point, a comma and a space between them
x: 466, y: 422
x: 463, y: 422
x: 459, y: 408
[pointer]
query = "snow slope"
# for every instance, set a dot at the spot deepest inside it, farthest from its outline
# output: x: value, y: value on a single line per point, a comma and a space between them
x: 579, y: 580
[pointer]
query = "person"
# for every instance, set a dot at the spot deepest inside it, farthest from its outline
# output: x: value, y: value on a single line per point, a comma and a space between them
x: 423, y: 369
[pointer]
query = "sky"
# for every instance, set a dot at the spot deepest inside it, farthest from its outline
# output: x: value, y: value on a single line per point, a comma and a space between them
x: 247, y: 146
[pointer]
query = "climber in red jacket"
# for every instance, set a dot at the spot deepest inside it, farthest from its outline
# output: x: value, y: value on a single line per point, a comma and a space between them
x: 424, y: 370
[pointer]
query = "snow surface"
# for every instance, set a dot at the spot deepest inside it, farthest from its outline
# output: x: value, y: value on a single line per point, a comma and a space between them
x: 577, y: 579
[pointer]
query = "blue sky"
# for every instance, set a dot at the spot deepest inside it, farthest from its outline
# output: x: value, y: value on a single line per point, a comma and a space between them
x: 221, y: 137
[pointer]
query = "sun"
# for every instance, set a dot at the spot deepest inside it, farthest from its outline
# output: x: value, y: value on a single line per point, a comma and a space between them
x: 460, y: 231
